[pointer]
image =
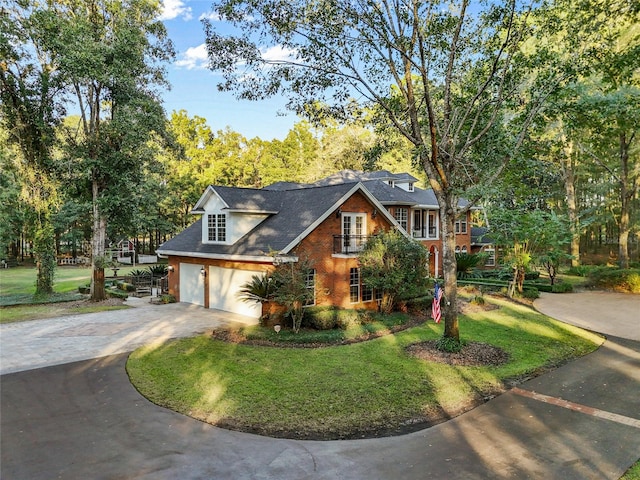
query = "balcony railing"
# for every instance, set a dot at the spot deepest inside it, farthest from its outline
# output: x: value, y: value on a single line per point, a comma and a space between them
x: 349, y: 244
x: 430, y: 232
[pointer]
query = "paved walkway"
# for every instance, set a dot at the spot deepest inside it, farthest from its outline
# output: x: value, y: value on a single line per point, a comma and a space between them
x: 54, y: 341
x: 85, y: 420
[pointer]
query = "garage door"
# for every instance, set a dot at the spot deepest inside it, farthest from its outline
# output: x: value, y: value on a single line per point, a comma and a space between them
x: 191, y: 284
x: 224, y: 286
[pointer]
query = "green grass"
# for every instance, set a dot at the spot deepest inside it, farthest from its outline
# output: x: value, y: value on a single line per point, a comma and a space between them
x: 344, y: 391
x: 22, y: 280
x: 17, y: 289
x: 23, y: 313
x: 633, y: 473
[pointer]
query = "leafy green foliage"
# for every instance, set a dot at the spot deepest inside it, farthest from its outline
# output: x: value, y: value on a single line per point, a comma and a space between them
x: 292, y: 289
x: 467, y: 262
x: 449, y: 345
x: 158, y: 271
x: 261, y: 288
x: 624, y: 280
x: 396, y: 266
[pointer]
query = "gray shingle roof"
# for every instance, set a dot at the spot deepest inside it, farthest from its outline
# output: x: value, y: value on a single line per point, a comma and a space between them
x: 292, y: 209
x: 298, y: 210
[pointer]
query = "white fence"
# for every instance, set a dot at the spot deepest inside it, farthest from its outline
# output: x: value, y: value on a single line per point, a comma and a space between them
x: 141, y: 259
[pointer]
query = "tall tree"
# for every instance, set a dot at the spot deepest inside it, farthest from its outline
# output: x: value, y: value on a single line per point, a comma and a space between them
x: 440, y: 74
x: 111, y: 53
x: 29, y: 110
x: 594, y: 120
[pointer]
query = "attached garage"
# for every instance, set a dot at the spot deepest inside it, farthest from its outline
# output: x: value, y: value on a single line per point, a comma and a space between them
x: 191, y: 284
x: 224, y: 287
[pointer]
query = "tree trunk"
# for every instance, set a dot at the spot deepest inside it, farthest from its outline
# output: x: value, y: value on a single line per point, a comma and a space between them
x: 97, y: 248
x: 626, y: 197
x: 449, y: 305
x: 568, y: 170
x: 45, y: 255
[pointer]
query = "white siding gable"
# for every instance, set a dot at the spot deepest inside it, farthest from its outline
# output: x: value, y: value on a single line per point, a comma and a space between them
x: 236, y: 224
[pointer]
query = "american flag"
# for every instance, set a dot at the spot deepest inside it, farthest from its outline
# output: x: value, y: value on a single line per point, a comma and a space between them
x: 435, y: 305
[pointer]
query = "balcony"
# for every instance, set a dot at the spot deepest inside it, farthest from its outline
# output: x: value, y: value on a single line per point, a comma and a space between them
x: 425, y: 233
x: 349, y: 244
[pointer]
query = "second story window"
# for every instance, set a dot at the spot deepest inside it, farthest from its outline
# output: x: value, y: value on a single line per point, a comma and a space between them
x: 217, y: 227
x: 353, y: 232
x: 461, y: 225
x: 401, y: 215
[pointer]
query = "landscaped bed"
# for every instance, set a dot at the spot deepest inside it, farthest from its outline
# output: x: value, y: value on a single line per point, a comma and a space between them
x: 364, y: 389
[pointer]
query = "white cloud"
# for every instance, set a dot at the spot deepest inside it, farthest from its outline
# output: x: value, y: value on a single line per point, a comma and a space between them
x: 213, y: 16
x: 194, y: 58
x: 173, y: 9
x: 277, y: 53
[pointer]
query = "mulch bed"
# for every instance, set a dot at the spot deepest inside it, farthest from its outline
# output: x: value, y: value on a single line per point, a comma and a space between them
x: 235, y: 335
x: 473, y: 354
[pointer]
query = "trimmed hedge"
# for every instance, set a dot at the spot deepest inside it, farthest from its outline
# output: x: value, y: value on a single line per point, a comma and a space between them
x: 328, y: 318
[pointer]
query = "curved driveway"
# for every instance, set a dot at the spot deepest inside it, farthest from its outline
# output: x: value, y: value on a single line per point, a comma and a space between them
x: 84, y: 420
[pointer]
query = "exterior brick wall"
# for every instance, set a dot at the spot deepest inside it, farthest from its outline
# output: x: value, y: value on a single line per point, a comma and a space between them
x: 332, y: 271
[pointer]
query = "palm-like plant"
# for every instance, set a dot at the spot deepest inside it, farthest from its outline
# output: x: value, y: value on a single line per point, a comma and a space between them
x: 466, y: 263
x: 259, y: 289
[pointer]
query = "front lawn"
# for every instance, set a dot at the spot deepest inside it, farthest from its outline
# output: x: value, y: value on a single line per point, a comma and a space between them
x: 362, y: 389
x: 17, y: 289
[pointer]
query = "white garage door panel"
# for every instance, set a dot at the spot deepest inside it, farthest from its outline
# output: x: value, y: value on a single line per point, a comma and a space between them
x: 224, y: 285
x: 191, y: 284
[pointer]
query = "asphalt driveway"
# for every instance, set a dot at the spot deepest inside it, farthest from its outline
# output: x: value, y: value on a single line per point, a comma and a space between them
x: 84, y: 420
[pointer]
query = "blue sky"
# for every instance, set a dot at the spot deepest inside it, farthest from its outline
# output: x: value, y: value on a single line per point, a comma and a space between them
x: 194, y: 86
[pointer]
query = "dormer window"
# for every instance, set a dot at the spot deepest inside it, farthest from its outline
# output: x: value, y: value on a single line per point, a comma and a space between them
x: 217, y: 227
x: 411, y: 186
x: 392, y: 183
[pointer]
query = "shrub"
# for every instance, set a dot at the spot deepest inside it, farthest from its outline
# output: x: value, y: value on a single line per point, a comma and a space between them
x: 139, y: 273
x: 347, y: 318
x: 530, y: 293
x: 420, y: 303
x: 622, y: 280
x: 117, y: 294
x: 466, y: 264
x: 158, y: 270
x: 127, y: 287
x: 449, y: 345
x: 327, y: 318
x: 320, y: 318
x: 84, y: 289
x: 562, y: 287
x: 580, y: 270
x: 478, y: 300
x: 532, y: 275
x: 167, y: 298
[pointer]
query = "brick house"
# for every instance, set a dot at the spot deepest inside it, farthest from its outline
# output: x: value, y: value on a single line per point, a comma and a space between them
x: 243, y: 231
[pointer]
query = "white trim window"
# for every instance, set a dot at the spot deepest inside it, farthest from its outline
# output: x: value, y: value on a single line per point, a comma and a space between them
x: 354, y: 228
x: 310, y: 282
x: 354, y: 285
x: 461, y: 225
x: 216, y: 227
x: 401, y: 215
x: 491, y: 257
x: 367, y: 293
